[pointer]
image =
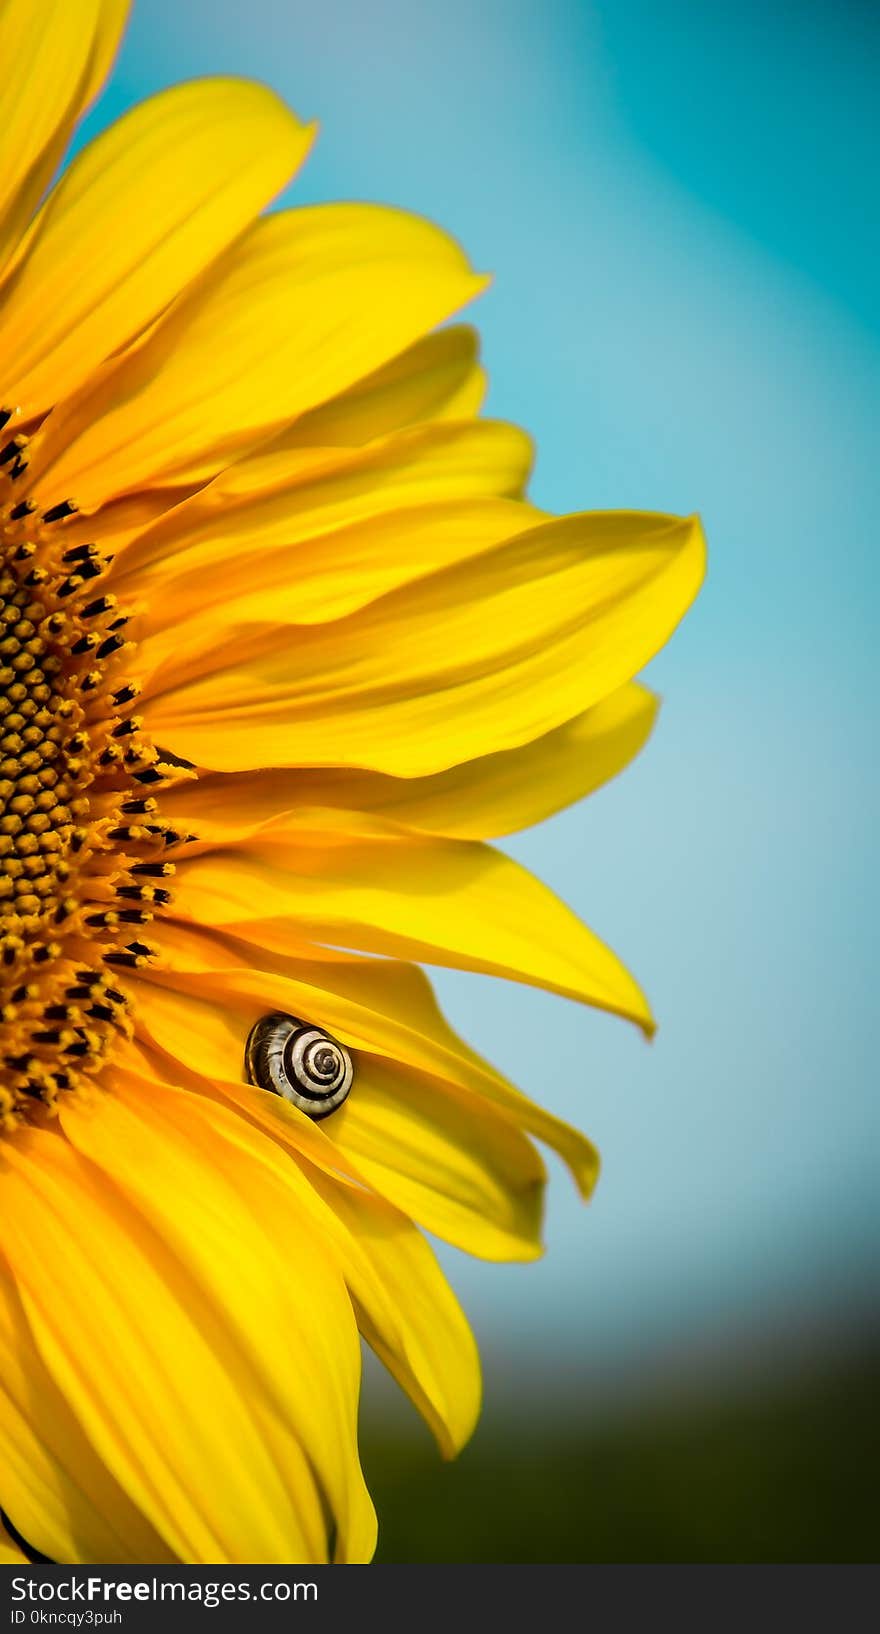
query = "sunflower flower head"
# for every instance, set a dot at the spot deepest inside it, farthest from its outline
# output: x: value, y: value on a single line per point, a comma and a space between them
x: 284, y: 646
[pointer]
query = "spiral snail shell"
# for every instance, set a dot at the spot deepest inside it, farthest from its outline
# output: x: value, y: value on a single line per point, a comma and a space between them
x: 300, y: 1062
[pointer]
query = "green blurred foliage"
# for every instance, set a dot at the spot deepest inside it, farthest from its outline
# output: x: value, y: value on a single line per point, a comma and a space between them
x: 790, y: 1475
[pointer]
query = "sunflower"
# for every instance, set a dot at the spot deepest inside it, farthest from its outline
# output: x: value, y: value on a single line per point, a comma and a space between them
x: 284, y: 644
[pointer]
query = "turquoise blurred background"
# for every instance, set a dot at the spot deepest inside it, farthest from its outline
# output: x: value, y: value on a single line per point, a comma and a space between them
x: 679, y: 205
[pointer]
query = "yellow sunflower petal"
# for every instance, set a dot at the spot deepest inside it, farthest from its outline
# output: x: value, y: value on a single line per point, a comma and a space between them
x: 57, y: 1491
x: 328, y: 575
x: 135, y: 1340
x: 454, y: 1164
x: 112, y: 18
x: 419, y: 1330
x: 406, y: 1310
x: 458, y: 1168
x: 140, y: 212
x: 232, y: 1214
x: 252, y: 522
x: 54, y: 64
x: 123, y: 520
x: 218, y: 987
x: 438, y: 378
x: 379, y: 1005
x: 307, y: 302
x: 328, y: 486
x: 435, y: 380
x: 480, y: 657
x: 350, y: 880
x: 480, y: 800
x: 10, y: 1553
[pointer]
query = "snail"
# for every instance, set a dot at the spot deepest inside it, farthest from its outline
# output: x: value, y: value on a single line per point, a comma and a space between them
x: 300, y: 1062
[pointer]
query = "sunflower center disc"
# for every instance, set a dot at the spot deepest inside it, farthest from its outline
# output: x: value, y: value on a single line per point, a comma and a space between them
x: 81, y: 845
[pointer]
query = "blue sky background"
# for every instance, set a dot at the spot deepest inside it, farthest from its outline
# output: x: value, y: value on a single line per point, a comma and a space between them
x: 676, y: 202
